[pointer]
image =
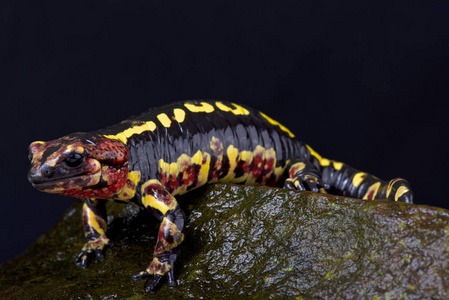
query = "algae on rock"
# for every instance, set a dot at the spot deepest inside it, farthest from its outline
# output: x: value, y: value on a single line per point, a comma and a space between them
x: 250, y: 242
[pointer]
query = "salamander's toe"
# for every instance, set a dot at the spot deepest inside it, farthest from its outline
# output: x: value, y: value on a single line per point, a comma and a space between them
x: 306, y: 183
x: 141, y: 275
x: 154, y: 285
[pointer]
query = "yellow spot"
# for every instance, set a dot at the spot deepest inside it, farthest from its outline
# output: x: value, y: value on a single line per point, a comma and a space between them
x: 358, y: 178
x: 198, y: 158
x: 126, y: 134
x: 203, y: 174
x: 129, y: 192
x: 372, y: 190
x: 164, y: 119
x: 180, y: 115
x: 204, y: 107
x: 246, y: 156
x: 150, y: 201
x: 282, y: 127
x: 279, y: 171
x: 337, y: 165
x: 325, y: 162
x: 164, y: 165
x: 401, y: 191
x: 233, y: 155
x: 239, y: 110
x: 322, y: 161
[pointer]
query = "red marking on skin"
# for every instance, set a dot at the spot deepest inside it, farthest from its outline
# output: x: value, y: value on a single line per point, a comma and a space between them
x: 111, y: 184
x: 242, y: 168
x: 163, y: 177
x: 130, y: 186
x: 109, y: 151
x: 159, y: 193
x: 257, y: 164
x: 216, y: 169
x: 268, y: 169
x: 168, y: 237
x: 187, y: 176
x: 35, y: 147
x: 172, y: 182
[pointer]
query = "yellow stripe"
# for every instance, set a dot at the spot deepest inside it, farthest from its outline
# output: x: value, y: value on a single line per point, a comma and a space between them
x: 390, y: 185
x: 374, y: 188
x: 239, y: 110
x: 323, y: 161
x: 401, y: 191
x: 151, y: 201
x: 233, y: 156
x: 180, y: 115
x: 126, y: 134
x: 204, y: 169
x: 204, y: 107
x: 164, y: 119
x: 127, y: 192
x: 358, y: 178
x: 282, y: 127
x: 92, y: 221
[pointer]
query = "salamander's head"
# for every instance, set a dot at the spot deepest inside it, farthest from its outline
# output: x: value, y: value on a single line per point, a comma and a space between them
x: 79, y: 165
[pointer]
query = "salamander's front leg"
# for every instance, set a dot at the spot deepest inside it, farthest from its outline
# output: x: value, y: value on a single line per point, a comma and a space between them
x: 305, y: 177
x: 171, y: 233
x: 95, y: 226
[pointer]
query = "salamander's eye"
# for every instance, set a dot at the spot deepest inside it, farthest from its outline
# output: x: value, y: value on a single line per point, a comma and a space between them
x: 74, y: 160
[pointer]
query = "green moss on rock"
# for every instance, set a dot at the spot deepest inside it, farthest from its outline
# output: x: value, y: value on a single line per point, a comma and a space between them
x: 253, y: 242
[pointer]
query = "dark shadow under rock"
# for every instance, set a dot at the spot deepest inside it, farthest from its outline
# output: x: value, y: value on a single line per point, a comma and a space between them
x: 250, y: 242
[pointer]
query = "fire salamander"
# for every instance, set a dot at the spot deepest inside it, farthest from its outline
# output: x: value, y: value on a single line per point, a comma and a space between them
x: 167, y: 151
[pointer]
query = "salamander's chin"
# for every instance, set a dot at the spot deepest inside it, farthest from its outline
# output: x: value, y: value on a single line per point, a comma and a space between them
x: 61, y: 185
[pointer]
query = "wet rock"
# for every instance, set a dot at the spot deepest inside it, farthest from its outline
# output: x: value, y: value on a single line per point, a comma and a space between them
x: 251, y: 242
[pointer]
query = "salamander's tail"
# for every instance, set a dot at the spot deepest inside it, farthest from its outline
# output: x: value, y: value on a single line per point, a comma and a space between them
x: 347, y: 181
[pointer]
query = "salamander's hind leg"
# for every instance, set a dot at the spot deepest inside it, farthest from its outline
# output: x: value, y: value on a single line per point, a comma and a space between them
x: 305, y: 176
x: 171, y: 233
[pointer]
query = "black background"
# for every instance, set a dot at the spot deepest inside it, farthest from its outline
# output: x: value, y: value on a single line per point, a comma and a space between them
x: 364, y: 83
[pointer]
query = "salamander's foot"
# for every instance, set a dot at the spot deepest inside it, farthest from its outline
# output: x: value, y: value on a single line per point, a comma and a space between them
x: 160, y: 266
x: 91, y: 249
x: 306, y: 183
x: 399, y: 190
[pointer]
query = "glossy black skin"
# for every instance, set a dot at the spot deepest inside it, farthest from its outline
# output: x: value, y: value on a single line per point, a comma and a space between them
x: 244, y: 132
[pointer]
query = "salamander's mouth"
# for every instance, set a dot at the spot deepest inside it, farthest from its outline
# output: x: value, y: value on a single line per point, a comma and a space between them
x: 60, y: 185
